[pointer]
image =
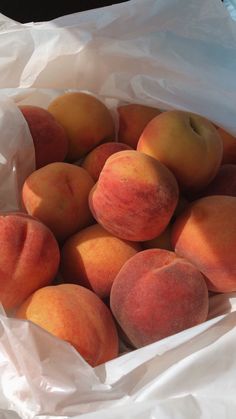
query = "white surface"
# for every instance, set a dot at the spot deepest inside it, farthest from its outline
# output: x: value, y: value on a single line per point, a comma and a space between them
x: 168, y: 53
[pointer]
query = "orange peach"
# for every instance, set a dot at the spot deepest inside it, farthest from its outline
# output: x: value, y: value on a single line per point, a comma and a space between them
x: 95, y: 160
x: 86, y: 119
x: 157, y: 294
x: 229, y: 146
x: 132, y: 119
x: 205, y: 234
x: 29, y: 257
x: 74, y: 314
x: 187, y: 143
x: 93, y: 257
x: 57, y: 194
x: 134, y: 197
x: 49, y: 137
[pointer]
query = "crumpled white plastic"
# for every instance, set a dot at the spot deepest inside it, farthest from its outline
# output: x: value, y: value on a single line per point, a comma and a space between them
x: 191, y: 373
x: 17, y: 159
x: 231, y: 7
x: 166, y: 53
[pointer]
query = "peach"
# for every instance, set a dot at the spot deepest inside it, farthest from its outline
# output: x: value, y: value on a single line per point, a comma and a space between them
x: 134, y: 197
x: 86, y: 119
x: 74, y: 314
x: 93, y: 257
x: 29, y: 257
x: 229, y: 146
x: 157, y: 294
x: 205, y: 234
x: 49, y: 137
x: 132, y: 119
x: 187, y: 143
x: 224, y: 183
x: 57, y: 194
x: 163, y: 241
x: 95, y: 160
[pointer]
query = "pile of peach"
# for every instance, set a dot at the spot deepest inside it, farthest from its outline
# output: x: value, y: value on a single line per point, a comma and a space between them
x: 128, y: 224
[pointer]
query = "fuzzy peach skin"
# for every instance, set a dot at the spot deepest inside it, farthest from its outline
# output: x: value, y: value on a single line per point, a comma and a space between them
x: 134, y: 197
x: 86, y: 119
x: 95, y: 160
x: 229, y: 146
x: 224, y: 183
x: 205, y: 234
x: 132, y: 119
x: 93, y: 257
x: 57, y: 194
x: 187, y: 143
x: 157, y: 294
x: 76, y: 315
x: 49, y: 137
x: 29, y: 257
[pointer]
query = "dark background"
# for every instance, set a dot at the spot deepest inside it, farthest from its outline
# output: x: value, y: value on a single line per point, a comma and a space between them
x: 35, y: 10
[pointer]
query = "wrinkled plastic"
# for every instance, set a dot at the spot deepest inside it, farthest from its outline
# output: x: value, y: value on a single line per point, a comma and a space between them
x: 162, y: 52
x: 17, y: 159
x: 166, y: 53
x: 191, y: 373
x: 231, y: 6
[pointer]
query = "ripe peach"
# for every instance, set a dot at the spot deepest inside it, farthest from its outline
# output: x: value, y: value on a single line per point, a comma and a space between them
x: 157, y: 294
x: 49, y: 137
x: 132, y: 119
x: 134, y: 197
x: 29, y: 257
x: 93, y: 257
x: 187, y: 143
x: 95, y: 160
x: 76, y: 315
x: 205, y: 234
x: 57, y: 194
x: 87, y: 121
x: 229, y: 146
x: 224, y: 183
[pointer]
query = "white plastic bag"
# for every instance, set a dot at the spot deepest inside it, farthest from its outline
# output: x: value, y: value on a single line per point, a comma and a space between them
x: 231, y: 6
x: 166, y: 53
x: 17, y: 159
